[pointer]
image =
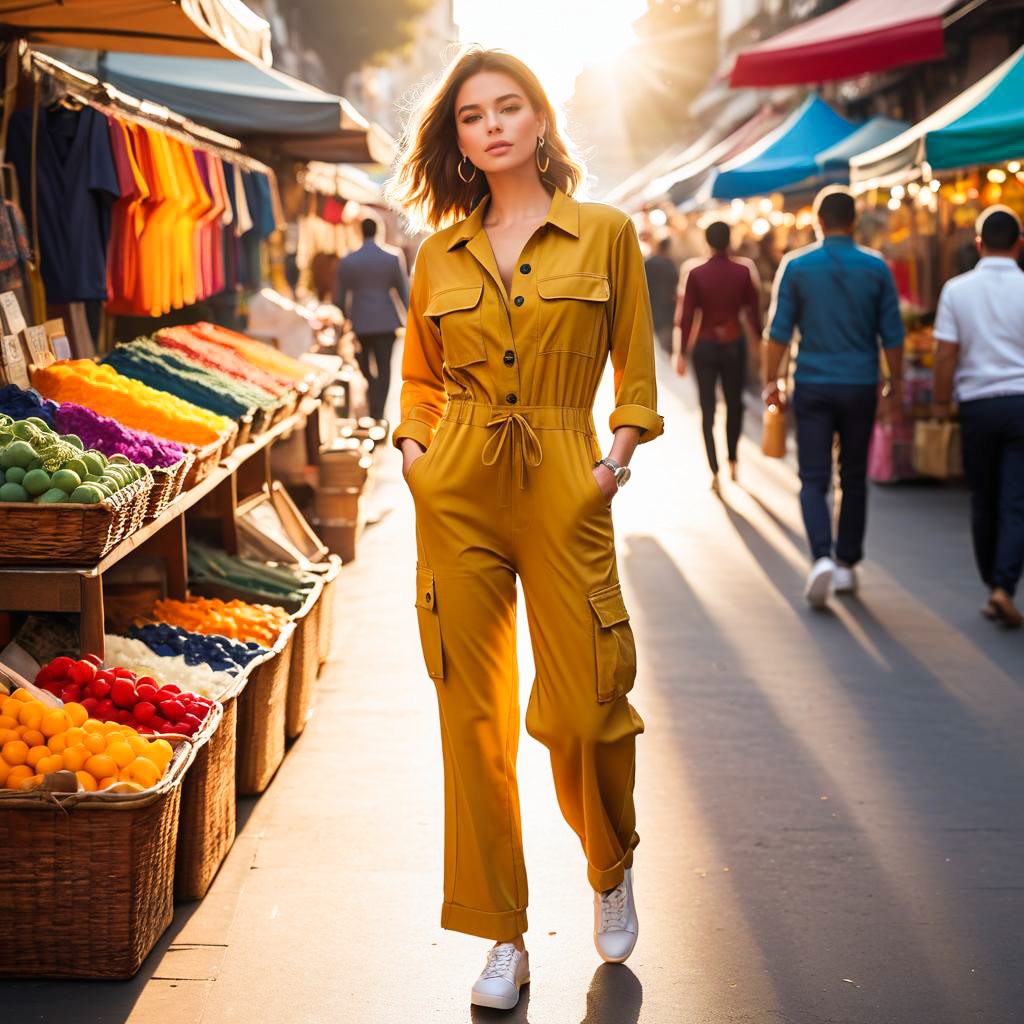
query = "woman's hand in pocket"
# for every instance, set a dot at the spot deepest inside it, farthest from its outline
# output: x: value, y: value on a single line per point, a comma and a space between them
x: 411, y: 451
x: 606, y: 482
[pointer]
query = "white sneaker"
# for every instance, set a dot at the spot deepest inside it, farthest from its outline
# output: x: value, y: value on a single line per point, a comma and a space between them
x: 844, y: 580
x: 506, y: 972
x: 615, y: 922
x: 819, y: 582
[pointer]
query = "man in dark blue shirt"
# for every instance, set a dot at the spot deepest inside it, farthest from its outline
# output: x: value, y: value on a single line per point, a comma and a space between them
x: 842, y: 299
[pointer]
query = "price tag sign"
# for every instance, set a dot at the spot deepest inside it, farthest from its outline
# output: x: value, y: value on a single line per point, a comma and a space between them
x: 13, y: 316
x: 58, y: 336
x: 15, y: 369
x: 38, y: 345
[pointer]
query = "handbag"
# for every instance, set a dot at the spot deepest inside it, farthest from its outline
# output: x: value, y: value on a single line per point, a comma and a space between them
x: 773, y: 434
x: 937, y: 449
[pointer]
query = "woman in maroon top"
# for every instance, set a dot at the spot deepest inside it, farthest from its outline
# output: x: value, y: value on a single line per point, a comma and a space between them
x: 718, y: 293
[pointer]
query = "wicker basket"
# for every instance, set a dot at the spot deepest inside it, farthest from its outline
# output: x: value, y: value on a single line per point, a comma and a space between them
x: 285, y: 407
x: 331, y: 571
x: 305, y: 664
x: 262, y: 705
x: 207, y: 457
x: 207, y: 827
x: 167, y: 484
x: 92, y: 879
x: 79, y: 534
x: 244, y: 429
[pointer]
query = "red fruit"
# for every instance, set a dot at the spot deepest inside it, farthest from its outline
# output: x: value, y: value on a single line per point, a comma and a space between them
x: 123, y: 716
x: 105, y: 674
x: 145, y: 711
x: 122, y: 693
x: 105, y: 710
x: 171, y: 709
x: 172, y: 688
x: 186, y: 727
x: 60, y: 666
x: 165, y: 727
x: 81, y: 672
x: 99, y: 688
x: 44, y: 675
x: 70, y: 693
x: 147, y: 690
x: 124, y: 673
x: 90, y: 704
x: 94, y: 659
x: 147, y: 681
x: 145, y: 730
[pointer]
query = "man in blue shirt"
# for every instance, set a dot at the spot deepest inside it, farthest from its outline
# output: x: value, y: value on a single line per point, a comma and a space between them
x: 842, y: 299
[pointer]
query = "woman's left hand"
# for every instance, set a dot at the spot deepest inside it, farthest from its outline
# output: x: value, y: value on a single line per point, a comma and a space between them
x: 606, y: 481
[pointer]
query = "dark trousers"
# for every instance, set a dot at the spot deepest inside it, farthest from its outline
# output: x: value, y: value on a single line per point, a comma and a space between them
x: 821, y: 412
x: 993, y: 439
x: 725, y: 360
x: 374, y: 360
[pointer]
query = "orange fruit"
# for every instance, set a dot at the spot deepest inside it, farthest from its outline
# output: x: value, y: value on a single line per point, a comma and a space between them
x: 14, y: 752
x: 139, y: 744
x: 58, y: 743
x: 92, y: 725
x: 95, y: 742
x: 107, y: 782
x: 8, y: 734
x: 17, y: 775
x: 99, y: 766
x: 50, y: 764
x: 35, y: 755
x: 8, y: 721
x: 10, y: 708
x: 54, y: 721
x: 122, y: 754
x: 86, y: 781
x: 22, y: 695
x: 5, y: 769
x: 160, y: 753
x: 115, y: 736
x: 144, y: 772
x: 76, y: 712
x: 74, y: 735
x: 33, y: 737
x: 31, y: 714
x: 74, y: 758
x: 31, y: 782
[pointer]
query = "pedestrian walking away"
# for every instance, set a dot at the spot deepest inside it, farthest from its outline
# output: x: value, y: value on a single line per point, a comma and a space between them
x: 516, y: 307
x: 369, y: 281
x: 662, y: 283
x: 720, y: 299
x: 979, y: 334
x: 843, y: 300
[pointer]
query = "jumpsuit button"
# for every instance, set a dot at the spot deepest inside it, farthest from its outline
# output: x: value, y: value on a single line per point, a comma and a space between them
x: 525, y: 268
x: 510, y: 357
x: 511, y: 398
x: 519, y: 300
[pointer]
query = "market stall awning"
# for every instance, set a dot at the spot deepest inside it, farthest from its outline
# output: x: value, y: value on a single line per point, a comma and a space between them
x: 983, y: 125
x: 254, y: 104
x: 834, y: 162
x: 858, y: 37
x: 785, y: 156
x: 185, y: 28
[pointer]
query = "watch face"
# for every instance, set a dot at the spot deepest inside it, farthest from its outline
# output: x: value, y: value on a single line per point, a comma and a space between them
x: 622, y: 476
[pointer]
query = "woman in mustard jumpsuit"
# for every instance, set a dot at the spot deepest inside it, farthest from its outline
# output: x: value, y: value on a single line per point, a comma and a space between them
x: 503, y: 356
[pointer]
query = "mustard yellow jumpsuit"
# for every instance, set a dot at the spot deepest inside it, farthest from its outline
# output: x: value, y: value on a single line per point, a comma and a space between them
x: 500, y: 389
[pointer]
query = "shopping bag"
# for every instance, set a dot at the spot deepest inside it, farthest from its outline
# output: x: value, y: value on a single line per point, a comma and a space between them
x: 773, y: 439
x: 937, y: 449
x: 891, y: 454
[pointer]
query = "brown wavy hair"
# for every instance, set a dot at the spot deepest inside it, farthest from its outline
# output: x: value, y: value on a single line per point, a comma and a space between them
x: 426, y: 183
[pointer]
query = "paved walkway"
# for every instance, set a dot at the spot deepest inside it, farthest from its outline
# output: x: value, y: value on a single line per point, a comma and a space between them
x: 831, y: 805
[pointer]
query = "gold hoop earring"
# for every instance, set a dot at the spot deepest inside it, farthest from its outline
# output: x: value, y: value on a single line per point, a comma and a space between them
x: 547, y: 159
x: 458, y: 168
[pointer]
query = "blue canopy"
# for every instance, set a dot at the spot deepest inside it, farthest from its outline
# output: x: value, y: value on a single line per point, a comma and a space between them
x: 252, y: 104
x: 834, y: 162
x: 785, y: 157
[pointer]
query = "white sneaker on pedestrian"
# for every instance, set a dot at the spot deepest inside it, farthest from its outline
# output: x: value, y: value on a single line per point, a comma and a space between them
x: 844, y: 580
x: 507, y: 970
x: 819, y: 582
x: 615, y: 922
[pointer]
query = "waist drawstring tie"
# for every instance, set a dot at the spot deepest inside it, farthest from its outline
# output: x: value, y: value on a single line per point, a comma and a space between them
x: 530, y: 450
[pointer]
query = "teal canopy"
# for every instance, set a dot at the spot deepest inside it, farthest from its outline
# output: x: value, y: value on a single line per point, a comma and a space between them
x: 787, y: 156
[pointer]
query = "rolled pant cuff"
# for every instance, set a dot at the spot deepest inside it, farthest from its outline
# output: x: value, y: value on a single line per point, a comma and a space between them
x: 601, y: 880
x: 501, y: 927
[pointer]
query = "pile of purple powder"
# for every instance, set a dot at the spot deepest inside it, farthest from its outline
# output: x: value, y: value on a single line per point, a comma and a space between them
x: 111, y: 438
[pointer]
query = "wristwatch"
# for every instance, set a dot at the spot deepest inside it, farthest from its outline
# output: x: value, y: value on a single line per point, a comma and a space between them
x: 621, y: 473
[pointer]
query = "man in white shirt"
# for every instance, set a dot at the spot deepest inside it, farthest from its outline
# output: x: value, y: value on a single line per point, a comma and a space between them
x: 979, y: 333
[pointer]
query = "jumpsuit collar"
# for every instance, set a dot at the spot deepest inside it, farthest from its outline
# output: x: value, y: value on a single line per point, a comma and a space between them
x: 563, y: 213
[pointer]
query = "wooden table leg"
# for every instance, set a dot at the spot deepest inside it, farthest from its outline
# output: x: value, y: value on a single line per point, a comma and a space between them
x: 90, y: 627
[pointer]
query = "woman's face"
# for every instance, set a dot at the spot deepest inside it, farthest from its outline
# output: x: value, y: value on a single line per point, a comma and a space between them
x: 497, y: 128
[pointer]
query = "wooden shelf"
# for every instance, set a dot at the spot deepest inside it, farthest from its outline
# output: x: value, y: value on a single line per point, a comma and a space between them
x: 79, y: 588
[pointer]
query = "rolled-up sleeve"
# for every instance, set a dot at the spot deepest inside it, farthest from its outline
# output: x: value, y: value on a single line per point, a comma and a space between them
x: 632, y: 340
x: 423, y: 399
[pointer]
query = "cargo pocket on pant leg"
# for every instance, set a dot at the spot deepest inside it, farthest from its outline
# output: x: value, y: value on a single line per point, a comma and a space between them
x: 614, y: 646
x: 430, y: 624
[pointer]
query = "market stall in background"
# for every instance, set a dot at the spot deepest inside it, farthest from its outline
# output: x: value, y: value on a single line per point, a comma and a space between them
x: 184, y: 462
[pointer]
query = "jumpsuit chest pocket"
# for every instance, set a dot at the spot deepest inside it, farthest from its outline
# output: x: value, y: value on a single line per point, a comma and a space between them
x: 429, y: 623
x: 458, y: 313
x: 614, y: 647
x: 571, y: 309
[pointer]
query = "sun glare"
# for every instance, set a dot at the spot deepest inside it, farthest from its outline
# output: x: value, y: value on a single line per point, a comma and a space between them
x: 557, y: 38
